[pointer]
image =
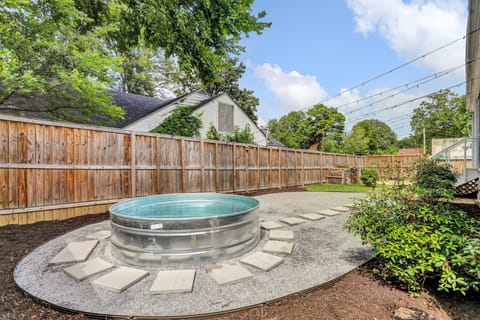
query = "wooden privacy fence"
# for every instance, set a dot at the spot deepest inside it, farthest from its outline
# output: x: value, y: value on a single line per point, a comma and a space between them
x: 51, y: 171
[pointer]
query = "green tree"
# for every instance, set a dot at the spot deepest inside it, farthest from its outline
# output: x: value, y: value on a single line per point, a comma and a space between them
x: 199, y: 34
x: 443, y: 115
x: 287, y: 130
x: 181, y: 122
x: 53, y: 59
x: 244, y: 135
x: 323, y: 123
x: 370, y: 137
x: 408, y: 142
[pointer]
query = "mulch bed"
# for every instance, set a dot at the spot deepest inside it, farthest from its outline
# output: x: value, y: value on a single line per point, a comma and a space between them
x: 359, y: 295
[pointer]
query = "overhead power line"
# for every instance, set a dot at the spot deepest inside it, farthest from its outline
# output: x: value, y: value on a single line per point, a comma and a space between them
x: 396, y: 68
x: 402, y: 103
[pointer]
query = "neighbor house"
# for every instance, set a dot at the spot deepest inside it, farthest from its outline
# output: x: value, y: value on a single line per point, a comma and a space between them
x: 146, y: 113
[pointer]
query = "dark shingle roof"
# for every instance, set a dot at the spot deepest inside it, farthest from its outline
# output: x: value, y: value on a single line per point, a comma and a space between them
x: 136, y: 106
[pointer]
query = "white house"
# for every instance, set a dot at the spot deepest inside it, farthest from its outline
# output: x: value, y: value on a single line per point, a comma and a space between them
x: 146, y: 113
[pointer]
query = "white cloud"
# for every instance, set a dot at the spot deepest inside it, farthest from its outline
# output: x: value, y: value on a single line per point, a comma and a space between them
x: 292, y: 90
x: 415, y: 27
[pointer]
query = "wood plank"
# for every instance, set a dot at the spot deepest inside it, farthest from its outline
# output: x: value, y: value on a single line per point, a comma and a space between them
x: 4, y: 140
x: 133, y: 172
x: 182, y: 161
x: 202, y: 165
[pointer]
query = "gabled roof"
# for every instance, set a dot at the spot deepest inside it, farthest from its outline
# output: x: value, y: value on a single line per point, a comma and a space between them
x: 137, y: 106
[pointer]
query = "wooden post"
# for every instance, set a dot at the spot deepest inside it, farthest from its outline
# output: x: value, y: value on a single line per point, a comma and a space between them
x: 258, y: 167
x: 279, y: 169
x: 202, y: 165
x: 234, y: 169
x: 270, y: 167
x: 303, y: 168
x: 216, y: 166
x: 286, y: 168
x: 133, y: 172
x: 182, y: 159
x: 159, y: 164
x: 247, y: 178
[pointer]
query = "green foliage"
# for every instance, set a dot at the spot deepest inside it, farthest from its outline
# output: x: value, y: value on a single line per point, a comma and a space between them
x: 370, y: 137
x: 244, y: 135
x: 416, y: 239
x: 369, y: 177
x: 443, y: 116
x: 199, y: 34
x: 437, y: 180
x: 408, y: 142
x: 53, y: 60
x: 287, y: 130
x: 181, y: 122
x: 319, y: 125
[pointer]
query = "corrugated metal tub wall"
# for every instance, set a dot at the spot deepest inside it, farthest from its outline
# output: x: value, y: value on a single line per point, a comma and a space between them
x: 184, y: 228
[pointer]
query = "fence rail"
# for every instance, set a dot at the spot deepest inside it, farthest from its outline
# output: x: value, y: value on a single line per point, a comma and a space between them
x: 52, y: 170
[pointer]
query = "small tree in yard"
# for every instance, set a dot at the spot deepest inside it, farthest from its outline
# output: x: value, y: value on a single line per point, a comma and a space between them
x: 416, y: 238
x: 369, y: 177
x: 182, y: 122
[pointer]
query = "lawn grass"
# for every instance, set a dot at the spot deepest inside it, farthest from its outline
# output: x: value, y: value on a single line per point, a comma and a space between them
x: 339, y: 188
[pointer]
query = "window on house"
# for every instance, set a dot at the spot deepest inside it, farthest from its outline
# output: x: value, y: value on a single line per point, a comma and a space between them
x: 225, y: 118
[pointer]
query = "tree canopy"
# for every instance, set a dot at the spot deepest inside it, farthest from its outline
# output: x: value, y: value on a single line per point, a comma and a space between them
x: 443, y: 115
x: 181, y: 122
x: 319, y: 125
x: 370, y: 137
x: 62, y: 55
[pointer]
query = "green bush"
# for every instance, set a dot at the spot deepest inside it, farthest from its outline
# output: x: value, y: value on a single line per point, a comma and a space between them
x: 369, y: 177
x: 435, y: 180
x: 417, y: 239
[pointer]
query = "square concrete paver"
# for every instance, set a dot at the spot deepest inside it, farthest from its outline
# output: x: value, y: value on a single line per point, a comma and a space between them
x: 274, y: 246
x: 329, y: 212
x: 120, y: 279
x: 281, y: 235
x: 292, y: 220
x: 228, y: 272
x: 263, y: 261
x: 74, y: 252
x: 173, y: 281
x: 312, y: 216
x: 99, y: 235
x: 269, y: 225
x: 87, y: 269
x: 341, y: 209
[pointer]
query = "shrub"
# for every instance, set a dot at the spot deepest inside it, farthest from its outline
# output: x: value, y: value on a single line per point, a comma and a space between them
x: 417, y: 239
x: 435, y: 180
x: 369, y: 177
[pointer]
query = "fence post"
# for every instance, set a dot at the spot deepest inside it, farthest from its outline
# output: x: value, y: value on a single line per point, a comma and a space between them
x: 286, y: 168
x: 182, y: 162
x: 133, y: 172
x: 216, y: 166
x: 234, y: 168
x: 258, y: 167
x: 159, y: 164
x: 247, y: 178
x: 279, y: 168
x: 202, y: 166
x: 303, y: 169
x: 270, y: 182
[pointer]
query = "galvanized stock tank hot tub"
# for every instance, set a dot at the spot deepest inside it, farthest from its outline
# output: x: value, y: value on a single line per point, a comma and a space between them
x: 183, y: 228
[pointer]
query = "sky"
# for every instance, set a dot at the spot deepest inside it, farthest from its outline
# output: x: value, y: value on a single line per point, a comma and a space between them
x: 315, y: 51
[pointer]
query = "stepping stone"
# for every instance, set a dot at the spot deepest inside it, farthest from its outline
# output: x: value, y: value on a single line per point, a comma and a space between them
x: 281, y: 235
x: 312, y: 216
x: 329, y: 212
x: 349, y: 205
x: 173, y: 281
x: 99, y: 235
x: 269, y: 225
x: 120, y: 279
x: 87, y: 269
x: 228, y: 272
x: 74, y: 252
x: 274, y: 246
x: 263, y: 261
x: 292, y: 220
x: 341, y: 209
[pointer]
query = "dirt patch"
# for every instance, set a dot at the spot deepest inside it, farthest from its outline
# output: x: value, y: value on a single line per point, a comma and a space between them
x: 359, y: 295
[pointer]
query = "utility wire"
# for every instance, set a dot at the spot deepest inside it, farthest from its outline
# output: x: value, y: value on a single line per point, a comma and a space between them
x: 402, y: 103
x: 396, y: 68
